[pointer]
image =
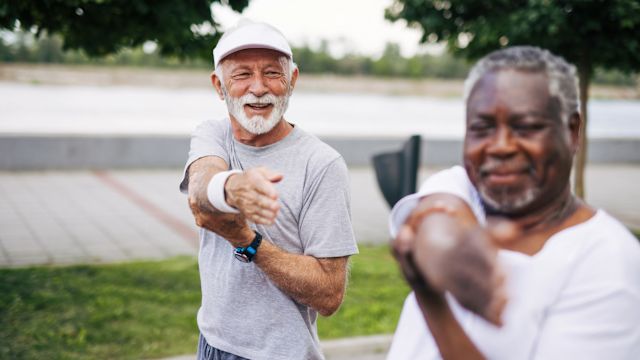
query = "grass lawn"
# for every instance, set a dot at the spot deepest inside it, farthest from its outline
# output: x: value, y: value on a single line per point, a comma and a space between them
x: 147, y: 309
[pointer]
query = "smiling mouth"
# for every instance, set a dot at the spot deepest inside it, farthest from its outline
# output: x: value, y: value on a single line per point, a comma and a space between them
x: 259, y: 106
x: 504, y: 176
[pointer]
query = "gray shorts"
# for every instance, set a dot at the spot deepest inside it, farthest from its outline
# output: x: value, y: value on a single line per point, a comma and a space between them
x: 208, y: 352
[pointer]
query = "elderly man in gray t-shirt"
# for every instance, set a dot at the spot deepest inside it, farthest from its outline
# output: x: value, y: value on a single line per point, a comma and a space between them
x: 273, y: 205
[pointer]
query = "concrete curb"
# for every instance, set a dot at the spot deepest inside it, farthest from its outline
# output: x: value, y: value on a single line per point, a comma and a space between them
x: 60, y: 152
x: 373, y: 347
x: 361, y: 347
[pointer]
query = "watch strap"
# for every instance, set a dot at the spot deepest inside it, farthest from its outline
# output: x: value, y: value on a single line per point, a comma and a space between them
x: 246, y: 254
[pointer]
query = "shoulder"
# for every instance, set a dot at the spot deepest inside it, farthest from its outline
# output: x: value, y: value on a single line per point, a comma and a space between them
x: 453, y: 179
x: 213, y: 127
x: 614, y: 250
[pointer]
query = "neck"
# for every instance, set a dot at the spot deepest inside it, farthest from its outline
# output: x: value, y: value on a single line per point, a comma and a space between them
x: 550, y: 216
x: 537, y: 227
x: 279, y: 132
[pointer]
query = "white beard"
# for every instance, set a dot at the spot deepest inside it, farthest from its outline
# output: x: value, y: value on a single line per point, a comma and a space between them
x: 257, y: 124
x: 503, y: 203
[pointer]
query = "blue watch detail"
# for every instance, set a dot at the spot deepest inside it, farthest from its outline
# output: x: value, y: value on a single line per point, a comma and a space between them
x: 246, y: 254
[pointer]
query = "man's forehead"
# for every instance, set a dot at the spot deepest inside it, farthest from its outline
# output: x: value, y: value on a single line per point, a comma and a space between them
x: 511, y: 86
x: 254, y: 56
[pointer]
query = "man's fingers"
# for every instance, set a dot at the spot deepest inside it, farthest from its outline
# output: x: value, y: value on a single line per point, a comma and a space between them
x: 272, y: 176
x: 495, y: 309
x: 276, y: 177
x: 263, y: 220
x: 267, y: 203
x: 404, y: 241
x: 269, y: 215
x: 266, y: 188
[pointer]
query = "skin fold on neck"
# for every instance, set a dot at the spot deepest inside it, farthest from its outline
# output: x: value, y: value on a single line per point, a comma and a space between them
x: 537, y: 227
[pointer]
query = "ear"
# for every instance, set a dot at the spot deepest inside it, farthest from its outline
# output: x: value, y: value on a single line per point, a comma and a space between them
x: 217, y: 84
x: 575, y: 127
x: 294, y: 78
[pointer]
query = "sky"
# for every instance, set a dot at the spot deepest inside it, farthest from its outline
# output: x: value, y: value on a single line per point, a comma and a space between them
x: 349, y: 25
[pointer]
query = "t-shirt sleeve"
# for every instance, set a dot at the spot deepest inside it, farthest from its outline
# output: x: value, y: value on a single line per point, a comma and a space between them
x: 325, y: 220
x: 208, y: 139
x: 450, y: 181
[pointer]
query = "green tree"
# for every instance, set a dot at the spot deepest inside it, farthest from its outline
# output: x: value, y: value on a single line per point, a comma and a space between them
x: 590, y: 34
x: 99, y: 27
x: 5, y: 51
x: 391, y: 63
x: 48, y: 50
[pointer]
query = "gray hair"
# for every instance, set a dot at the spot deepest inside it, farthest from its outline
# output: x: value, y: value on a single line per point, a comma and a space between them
x: 286, y: 62
x: 561, y: 74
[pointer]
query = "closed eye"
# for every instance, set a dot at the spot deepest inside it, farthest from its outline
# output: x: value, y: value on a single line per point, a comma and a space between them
x: 480, y: 125
x: 529, y: 127
x: 241, y: 75
x: 273, y: 74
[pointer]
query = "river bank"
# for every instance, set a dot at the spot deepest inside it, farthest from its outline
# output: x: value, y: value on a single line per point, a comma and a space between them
x: 199, y: 78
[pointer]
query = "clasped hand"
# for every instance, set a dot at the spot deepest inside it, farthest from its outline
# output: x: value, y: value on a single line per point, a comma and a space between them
x: 253, y: 193
x: 438, y: 255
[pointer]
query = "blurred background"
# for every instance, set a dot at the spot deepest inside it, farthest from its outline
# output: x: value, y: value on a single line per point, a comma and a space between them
x: 98, y: 99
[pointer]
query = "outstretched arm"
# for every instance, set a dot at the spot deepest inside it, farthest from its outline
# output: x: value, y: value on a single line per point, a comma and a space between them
x: 439, y: 250
x: 232, y: 227
x: 316, y: 282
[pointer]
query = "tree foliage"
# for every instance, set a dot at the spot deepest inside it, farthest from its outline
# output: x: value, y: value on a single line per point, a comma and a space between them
x: 586, y: 33
x: 590, y: 34
x: 99, y: 27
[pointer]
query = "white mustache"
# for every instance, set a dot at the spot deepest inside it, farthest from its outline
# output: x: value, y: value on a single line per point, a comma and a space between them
x: 267, y: 99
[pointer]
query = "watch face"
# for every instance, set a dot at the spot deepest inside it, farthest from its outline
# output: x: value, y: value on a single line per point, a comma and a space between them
x: 240, y: 256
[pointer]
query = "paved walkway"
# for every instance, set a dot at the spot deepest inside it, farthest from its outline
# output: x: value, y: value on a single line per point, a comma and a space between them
x: 107, y: 216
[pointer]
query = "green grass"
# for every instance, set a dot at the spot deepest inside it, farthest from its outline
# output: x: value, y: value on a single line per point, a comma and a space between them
x: 374, y: 297
x: 147, y: 309
x: 129, y: 310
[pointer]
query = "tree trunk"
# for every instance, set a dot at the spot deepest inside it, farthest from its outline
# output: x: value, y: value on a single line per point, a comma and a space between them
x: 584, y: 75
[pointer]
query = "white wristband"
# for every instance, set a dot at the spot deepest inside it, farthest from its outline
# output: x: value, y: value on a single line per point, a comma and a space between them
x: 215, y: 191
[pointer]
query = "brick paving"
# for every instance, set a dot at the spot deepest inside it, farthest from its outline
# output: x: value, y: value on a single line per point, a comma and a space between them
x: 75, y: 217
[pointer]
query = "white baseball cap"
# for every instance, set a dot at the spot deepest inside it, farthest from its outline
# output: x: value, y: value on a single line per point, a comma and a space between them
x: 250, y: 35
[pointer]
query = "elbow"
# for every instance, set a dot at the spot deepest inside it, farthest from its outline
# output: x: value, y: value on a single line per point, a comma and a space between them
x: 328, y: 310
x: 331, y: 303
x: 201, y: 215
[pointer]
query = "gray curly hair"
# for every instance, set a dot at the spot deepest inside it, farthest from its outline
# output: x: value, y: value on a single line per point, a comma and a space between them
x: 561, y: 74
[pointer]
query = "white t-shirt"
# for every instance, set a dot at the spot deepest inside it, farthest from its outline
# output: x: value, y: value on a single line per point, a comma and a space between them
x: 577, y: 298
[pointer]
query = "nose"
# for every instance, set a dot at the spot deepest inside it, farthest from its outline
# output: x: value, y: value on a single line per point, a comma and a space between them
x: 258, y: 86
x: 502, y: 144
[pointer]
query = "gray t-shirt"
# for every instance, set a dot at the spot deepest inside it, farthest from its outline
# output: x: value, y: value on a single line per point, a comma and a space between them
x: 242, y: 311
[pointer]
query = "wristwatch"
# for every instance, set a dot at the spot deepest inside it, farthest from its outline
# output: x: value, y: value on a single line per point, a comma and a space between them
x: 246, y: 254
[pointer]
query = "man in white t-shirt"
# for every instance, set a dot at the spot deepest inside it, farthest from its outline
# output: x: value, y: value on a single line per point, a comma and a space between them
x: 272, y: 202
x: 554, y: 278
